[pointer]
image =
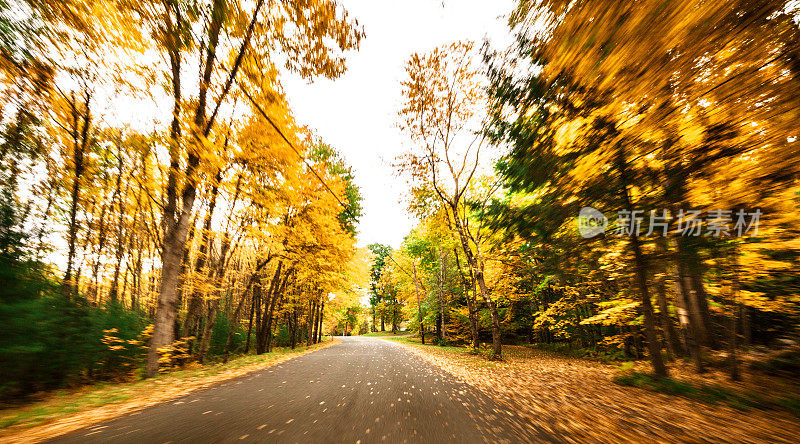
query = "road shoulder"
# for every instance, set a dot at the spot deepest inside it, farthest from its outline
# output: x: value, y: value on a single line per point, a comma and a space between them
x: 576, y: 400
x: 62, y: 413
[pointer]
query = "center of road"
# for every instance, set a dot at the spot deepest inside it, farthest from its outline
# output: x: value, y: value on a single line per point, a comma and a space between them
x: 361, y: 390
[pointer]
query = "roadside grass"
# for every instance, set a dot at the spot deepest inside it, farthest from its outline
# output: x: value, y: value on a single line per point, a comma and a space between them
x: 381, y: 334
x: 708, y: 393
x: 479, y: 359
x: 570, y: 351
x: 131, y: 396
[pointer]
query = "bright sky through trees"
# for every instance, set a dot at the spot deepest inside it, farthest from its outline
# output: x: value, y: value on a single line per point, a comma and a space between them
x: 358, y: 116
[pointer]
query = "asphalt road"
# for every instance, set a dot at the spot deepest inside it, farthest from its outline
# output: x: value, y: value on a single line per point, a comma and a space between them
x: 361, y: 390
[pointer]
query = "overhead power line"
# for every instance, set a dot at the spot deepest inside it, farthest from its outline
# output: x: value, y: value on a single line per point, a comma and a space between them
x: 291, y: 145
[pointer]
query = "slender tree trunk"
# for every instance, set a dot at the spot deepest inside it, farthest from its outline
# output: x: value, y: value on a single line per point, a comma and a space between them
x: 689, y: 285
x: 196, y: 299
x: 736, y: 307
x: 321, y: 316
x: 649, y: 323
x: 310, y: 322
x: 174, y: 231
x: 315, y: 332
x: 250, y: 324
x: 183, y: 275
x: 477, y: 270
x: 94, y: 290
x: 80, y: 145
x: 419, y: 303
x: 213, y: 306
x: 259, y: 302
x: 442, y: 326
x: 254, y: 278
x: 276, y: 298
x: 265, y: 325
x: 120, y: 251
x: 292, y: 322
x: 469, y: 285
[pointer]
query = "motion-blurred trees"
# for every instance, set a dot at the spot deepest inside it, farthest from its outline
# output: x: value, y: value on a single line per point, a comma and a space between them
x: 214, y: 216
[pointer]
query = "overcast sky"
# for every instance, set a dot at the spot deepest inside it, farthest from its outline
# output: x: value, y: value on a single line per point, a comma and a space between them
x: 356, y: 113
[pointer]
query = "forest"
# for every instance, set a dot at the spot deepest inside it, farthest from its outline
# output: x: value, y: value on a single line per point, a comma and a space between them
x: 219, y: 226
x: 621, y: 182
x: 576, y: 192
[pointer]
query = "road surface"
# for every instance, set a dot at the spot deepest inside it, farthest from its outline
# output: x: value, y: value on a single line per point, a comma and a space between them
x: 361, y: 390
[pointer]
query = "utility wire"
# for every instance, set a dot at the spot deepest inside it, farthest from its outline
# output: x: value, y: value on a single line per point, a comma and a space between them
x: 321, y: 180
x: 303, y: 158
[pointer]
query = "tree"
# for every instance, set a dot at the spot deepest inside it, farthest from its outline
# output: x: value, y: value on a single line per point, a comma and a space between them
x: 250, y: 43
x: 377, y: 294
x: 444, y: 102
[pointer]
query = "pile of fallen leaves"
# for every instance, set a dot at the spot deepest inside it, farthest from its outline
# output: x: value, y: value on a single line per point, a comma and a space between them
x: 575, y: 400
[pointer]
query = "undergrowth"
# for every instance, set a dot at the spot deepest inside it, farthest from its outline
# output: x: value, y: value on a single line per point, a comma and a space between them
x: 707, y: 393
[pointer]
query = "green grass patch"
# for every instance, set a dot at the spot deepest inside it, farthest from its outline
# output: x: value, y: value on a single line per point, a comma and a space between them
x: 707, y: 393
x: 414, y: 340
x: 597, y: 353
x: 452, y: 349
x: 381, y: 334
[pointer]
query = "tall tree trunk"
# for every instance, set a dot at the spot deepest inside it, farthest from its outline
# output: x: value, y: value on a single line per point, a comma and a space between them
x: 689, y: 323
x: 470, y: 293
x: 276, y: 298
x: 211, y: 317
x: 476, y: 265
x: 670, y: 336
x: 121, y: 238
x: 292, y: 322
x: 250, y: 324
x: 653, y: 346
x: 690, y: 284
x: 699, y: 293
x: 310, y: 322
x: 269, y: 301
x: 80, y: 139
x: 315, y: 332
x: 94, y: 290
x: 321, y: 316
x: 419, y: 303
x: 443, y: 326
x: 196, y: 299
x: 182, y: 276
x: 736, y: 307
x: 253, y: 279
x: 175, y: 229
